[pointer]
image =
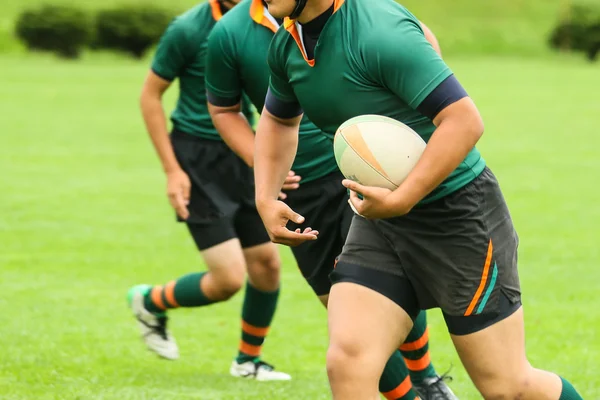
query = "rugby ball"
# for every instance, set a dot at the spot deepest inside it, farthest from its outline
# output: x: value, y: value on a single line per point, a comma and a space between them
x: 377, y: 151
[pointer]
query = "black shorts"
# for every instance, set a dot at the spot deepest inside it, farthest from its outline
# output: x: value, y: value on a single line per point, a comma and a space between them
x: 222, y: 197
x: 458, y: 253
x: 324, y: 204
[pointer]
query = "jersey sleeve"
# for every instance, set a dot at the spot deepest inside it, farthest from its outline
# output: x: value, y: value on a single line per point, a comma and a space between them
x: 223, y: 84
x: 281, y: 100
x: 402, y: 60
x: 171, y: 53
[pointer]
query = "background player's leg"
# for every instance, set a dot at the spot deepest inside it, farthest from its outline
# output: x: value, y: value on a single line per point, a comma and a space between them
x: 365, y: 328
x: 496, y: 362
x: 260, y: 299
x: 225, y: 276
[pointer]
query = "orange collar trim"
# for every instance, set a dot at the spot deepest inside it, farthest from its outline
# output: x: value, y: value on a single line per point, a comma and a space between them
x: 216, y: 10
x: 290, y: 26
x: 257, y: 12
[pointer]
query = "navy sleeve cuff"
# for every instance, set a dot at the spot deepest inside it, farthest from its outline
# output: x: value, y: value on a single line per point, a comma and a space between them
x: 448, y: 92
x: 282, y: 109
x: 222, y: 101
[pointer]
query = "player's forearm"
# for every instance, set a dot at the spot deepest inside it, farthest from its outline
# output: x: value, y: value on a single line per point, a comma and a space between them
x: 237, y: 133
x: 274, y: 153
x: 156, y: 125
x: 449, y: 145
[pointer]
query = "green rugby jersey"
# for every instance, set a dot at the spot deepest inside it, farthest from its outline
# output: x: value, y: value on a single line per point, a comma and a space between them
x: 371, y: 58
x: 181, y: 53
x: 237, y: 61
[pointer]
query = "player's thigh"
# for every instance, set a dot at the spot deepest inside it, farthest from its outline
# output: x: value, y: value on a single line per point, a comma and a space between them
x: 370, y: 295
x: 364, y: 325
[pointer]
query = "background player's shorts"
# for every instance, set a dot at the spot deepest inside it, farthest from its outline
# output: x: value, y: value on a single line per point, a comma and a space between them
x: 324, y: 204
x: 458, y: 253
x: 222, y: 198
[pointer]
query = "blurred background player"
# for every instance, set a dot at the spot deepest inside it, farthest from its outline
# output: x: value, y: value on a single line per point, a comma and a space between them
x: 237, y: 64
x: 443, y: 239
x: 212, y: 191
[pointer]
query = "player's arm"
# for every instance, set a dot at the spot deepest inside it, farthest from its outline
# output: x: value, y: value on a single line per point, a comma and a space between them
x: 424, y: 82
x: 431, y: 38
x: 275, y: 148
x: 224, y: 93
x: 168, y: 61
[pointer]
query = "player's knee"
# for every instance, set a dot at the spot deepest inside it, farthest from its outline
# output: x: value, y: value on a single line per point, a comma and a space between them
x: 342, y: 355
x: 229, y: 283
x: 264, y: 270
x: 507, y: 389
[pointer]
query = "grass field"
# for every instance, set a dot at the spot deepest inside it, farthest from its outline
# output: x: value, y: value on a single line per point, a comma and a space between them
x: 83, y: 217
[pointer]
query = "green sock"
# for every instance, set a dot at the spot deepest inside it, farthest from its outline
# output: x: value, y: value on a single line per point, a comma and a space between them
x: 184, y: 292
x: 568, y: 391
x: 257, y: 314
x: 395, y: 382
x: 416, y: 351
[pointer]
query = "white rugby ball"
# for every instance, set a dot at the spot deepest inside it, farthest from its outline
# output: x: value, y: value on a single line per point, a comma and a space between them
x: 377, y: 151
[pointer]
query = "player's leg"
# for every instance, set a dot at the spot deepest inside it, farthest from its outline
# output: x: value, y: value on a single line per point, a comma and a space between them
x: 260, y: 299
x: 489, y: 334
x: 325, y: 201
x: 213, y: 204
x: 367, y: 317
x: 224, y: 277
x: 467, y: 261
x: 496, y: 362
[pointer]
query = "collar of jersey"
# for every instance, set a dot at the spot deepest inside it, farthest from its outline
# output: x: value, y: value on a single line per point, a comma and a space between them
x: 216, y: 10
x: 261, y: 16
x: 295, y: 29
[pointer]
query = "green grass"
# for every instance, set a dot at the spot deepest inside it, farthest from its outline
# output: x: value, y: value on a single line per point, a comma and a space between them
x: 84, y: 217
x: 464, y: 26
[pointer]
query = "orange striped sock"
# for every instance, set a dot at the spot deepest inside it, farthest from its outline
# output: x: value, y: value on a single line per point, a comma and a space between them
x: 184, y: 292
x: 395, y: 383
x: 257, y: 314
x: 415, y: 351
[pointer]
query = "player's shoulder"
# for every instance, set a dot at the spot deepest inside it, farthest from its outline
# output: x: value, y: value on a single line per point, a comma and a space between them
x: 375, y: 24
x: 197, y: 21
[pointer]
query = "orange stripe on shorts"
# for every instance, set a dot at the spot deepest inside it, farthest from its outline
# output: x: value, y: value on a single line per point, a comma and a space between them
x: 417, y: 344
x: 484, y: 276
x: 254, y: 330
x: 400, y: 390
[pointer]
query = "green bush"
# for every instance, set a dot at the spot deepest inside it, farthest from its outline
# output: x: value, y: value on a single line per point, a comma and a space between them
x: 131, y: 29
x: 578, y: 31
x: 60, y: 29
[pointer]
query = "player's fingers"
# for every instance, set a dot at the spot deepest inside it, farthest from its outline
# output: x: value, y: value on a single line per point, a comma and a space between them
x: 289, y: 238
x: 186, y: 190
x: 356, y: 203
x: 282, y: 196
x: 357, y: 187
x: 293, y: 216
x: 180, y: 206
x: 290, y: 186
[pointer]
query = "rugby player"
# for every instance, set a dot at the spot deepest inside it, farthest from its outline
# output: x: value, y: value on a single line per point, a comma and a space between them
x: 237, y: 64
x: 212, y: 191
x: 443, y: 239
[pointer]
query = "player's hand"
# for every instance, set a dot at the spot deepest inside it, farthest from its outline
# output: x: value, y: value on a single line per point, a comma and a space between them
x: 276, y: 215
x: 178, y: 191
x: 376, y: 203
x: 292, y: 182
